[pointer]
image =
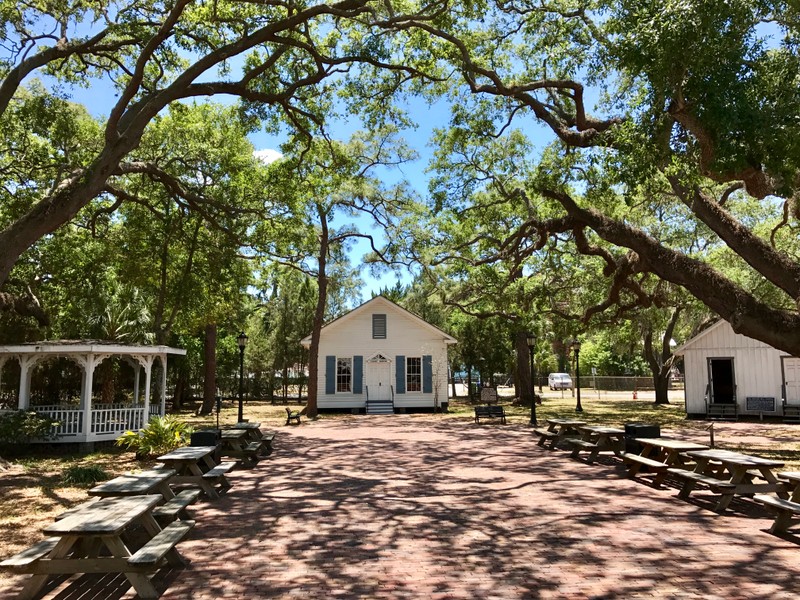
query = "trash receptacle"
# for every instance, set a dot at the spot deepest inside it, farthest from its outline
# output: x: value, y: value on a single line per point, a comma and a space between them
x: 207, y: 437
x: 639, y: 430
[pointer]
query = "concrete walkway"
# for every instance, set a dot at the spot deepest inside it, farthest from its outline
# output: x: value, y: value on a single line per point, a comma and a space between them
x: 412, y: 507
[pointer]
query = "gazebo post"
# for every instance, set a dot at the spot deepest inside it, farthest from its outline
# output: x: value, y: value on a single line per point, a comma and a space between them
x: 163, y: 358
x: 137, y: 369
x: 148, y: 370
x: 26, y: 364
x: 86, y: 395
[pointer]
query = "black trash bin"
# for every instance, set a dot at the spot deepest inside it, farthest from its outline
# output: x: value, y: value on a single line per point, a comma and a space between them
x: 639, y: 430
x: 207, y: 437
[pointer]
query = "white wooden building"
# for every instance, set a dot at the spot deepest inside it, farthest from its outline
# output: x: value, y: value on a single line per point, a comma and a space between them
x: 85, y: 420
x: 727, y: 368
x: 380, y: 358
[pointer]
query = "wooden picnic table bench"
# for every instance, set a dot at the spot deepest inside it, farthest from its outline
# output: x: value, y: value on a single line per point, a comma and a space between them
x: 785, y: 509
x: 658, y: 455
x: 254, y: 434
x: 490, y: 412
x: 235, y: 444
x: 195, y: 466
x: 557, y: 431
x: 596, y: 439
x: 729, y: 473
x: 76, y: 539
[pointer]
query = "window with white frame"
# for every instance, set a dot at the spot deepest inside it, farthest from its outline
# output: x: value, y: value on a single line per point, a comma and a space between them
x: 344, y: 374
x: 414, y: 374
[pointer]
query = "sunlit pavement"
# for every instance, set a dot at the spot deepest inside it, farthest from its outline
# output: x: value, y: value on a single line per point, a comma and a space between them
x: 413, y: 507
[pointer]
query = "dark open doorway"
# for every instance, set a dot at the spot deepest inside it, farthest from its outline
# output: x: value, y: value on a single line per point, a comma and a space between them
x: 722, y: 381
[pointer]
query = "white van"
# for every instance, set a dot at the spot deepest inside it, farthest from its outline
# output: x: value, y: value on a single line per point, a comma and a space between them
x: 559, y: 381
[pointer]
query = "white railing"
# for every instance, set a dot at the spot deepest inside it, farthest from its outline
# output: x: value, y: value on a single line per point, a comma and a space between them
x: 112, y: 419
x: 117, y: 420
x: 70, y: 420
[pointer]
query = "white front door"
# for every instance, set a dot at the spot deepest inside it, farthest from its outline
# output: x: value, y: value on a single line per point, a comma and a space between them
x: 791, y: 379
x: 378, y: 379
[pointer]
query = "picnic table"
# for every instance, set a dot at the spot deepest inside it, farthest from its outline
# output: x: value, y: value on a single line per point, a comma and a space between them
x: 234, y: 444
x: 596, y: 439
x: 195, y: 466
x: 254, y: 434
x: 557, y: 430
x: 152, y: 481
x: 77, y: 540
x: 659, y: 454
x: 729, y: 474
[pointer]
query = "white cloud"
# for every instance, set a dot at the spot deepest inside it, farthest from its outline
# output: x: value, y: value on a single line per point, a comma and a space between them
x: 267, y: 155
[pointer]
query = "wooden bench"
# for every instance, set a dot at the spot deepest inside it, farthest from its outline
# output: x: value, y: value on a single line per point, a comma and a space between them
x: 716, y: 485
x: 292, y: 415
x: 784, y: 509
x: 578, y: 445
x: 162, y: 546
x: 217, y: 474
x: 266, y: 441
x: 636, y: 461
x: 490, y: 412
x: 176, y: 507
x: 22, y: 560
x: 545, y: 435
x: 655, y: 466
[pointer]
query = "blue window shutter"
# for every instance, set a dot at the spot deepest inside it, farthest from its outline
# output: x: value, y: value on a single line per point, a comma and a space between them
x: 427, y: 374
x: 401, y: 374
x: 358, y: 373
x: 330, y: 374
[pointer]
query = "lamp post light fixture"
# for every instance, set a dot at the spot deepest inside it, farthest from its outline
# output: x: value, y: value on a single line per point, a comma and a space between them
x: 241, y: 340
x: 576, y: 347
x: 531, y: 339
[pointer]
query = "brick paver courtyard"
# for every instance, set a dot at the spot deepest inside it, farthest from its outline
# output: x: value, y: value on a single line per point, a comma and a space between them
x: 413, y: 507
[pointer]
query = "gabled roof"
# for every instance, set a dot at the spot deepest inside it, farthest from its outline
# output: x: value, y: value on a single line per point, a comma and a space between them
x: 692, y: 341
x: 379, y: 302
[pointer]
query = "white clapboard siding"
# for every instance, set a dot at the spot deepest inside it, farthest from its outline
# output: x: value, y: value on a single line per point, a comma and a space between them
x: 756, y: 366
x: 406, y: 335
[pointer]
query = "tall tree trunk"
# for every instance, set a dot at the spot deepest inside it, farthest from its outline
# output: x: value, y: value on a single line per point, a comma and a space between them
x: 523, y: 382
x: 210, y: 367
x: 180, y: 386
x: 660, y: 361
x: 319, y: 316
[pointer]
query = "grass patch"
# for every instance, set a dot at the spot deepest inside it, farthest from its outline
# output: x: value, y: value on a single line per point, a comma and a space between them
x: 83, y: 476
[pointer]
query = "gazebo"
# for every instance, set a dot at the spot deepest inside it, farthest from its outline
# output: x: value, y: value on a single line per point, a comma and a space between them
x: 88, y: 422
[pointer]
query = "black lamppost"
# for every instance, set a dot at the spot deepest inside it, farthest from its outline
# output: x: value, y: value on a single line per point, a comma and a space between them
x: 576, y: 347
x: 531, y: 339
x: 242, y: 341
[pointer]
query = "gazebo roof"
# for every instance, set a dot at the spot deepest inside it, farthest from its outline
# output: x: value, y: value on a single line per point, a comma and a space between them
x: 63, y: 347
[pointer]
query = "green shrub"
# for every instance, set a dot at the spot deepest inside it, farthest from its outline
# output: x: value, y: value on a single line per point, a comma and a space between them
x: 78, y: 475
x: 24, y: 425
x: 161, y: 435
